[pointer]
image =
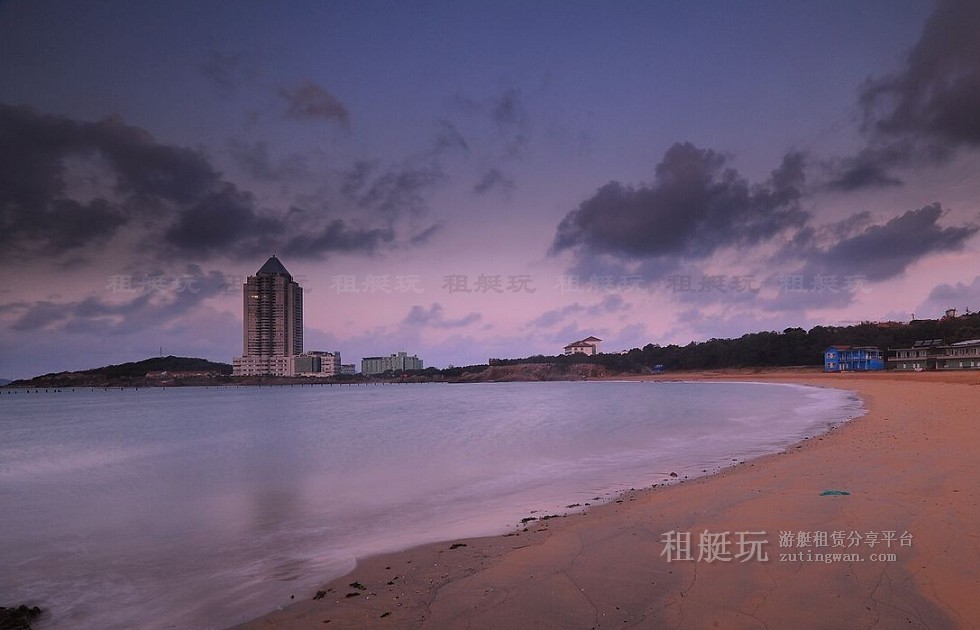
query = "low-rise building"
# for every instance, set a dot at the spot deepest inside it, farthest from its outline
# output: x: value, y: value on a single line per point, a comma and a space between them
x: 262, y: 365
x: 923, y: 355
x: 165, y: 375
x: 840, y: 358
x: 964, y: 355
x: 399, y: 362
x: 589, y: 346
x: 317, y: 363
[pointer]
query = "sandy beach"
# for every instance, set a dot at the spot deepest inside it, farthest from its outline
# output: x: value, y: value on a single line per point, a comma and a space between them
x: 906, y: 536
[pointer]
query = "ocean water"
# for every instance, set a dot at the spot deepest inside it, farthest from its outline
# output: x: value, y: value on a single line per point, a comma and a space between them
x: 201, y: 508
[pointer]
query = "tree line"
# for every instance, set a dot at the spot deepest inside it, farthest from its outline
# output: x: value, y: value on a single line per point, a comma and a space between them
x: 791, y: 347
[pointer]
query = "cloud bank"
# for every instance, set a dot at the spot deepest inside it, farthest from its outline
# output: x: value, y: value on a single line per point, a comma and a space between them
x: 695, y: 206
x: 928, y: 110
x: 173, y: 200
x: 698, y: 207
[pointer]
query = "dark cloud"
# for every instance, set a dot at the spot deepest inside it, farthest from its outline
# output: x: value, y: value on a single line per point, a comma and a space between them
x: 849, y: 226
x: 145, y: 168
x: 36, y: 211
x: 694, y: 207
x: 73, y: 224
x: 881, y: 251
x: 309, y: 101
x: 493, y: 179
x: 867, y: 169
x: 434, y: 317
x: 173, y: 200
x: 391, y: 190
x: 223, y: 221
x: 827, y: 266
x: 925, y: 112
x: 33, y: 146
x: 938, y: 93
x: 338, y: 236
x: 811, y: 236
x: 149, y: 307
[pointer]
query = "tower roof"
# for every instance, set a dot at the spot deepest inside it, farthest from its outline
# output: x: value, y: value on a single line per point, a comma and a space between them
x: 273, y: 267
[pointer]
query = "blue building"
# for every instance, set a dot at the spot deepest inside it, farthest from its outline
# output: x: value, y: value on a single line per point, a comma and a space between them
x: 852, y: 359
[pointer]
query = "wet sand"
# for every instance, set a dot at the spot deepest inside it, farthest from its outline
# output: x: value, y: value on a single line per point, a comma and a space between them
x: 911, y: 466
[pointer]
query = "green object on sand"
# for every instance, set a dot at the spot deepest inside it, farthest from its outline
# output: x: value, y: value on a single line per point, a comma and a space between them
x: 834, y: 492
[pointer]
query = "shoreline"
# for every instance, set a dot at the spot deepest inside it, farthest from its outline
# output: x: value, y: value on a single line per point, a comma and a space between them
x: 909, y: 464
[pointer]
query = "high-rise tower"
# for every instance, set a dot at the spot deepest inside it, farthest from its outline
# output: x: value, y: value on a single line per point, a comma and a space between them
x: 272, y: 328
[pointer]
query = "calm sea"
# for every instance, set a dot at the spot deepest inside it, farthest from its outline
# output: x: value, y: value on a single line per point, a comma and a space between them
x: 200, y: 508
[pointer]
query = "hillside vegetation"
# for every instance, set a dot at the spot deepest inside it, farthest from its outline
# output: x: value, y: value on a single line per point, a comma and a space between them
x: 127, y: 374
x: 791, y: 347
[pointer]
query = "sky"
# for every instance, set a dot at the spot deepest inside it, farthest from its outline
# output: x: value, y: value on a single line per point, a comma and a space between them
x: 467, y: 180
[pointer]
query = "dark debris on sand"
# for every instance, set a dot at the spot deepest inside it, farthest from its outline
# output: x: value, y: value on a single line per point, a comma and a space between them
x: 18, y: 618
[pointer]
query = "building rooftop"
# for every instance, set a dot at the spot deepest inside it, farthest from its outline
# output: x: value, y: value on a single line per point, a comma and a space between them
x: 838, y: 346
x: 588, y: 341
x: 928, y: 343
x: 971, y: 342
x: 273, y: 267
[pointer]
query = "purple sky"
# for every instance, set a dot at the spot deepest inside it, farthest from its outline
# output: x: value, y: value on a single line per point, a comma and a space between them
x: 645, y: 172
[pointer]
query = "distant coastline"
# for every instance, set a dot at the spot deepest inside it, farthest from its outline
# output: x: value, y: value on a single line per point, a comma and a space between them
x: 210, y: 374
x: 793, y: 348
x: 536, y: 370
x: 218, y: 374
